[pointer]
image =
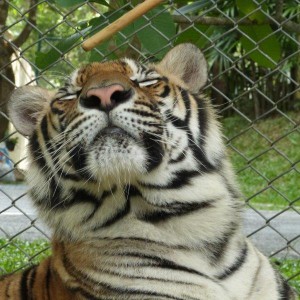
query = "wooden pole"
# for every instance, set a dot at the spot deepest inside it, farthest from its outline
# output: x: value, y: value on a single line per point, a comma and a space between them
x: 119, y: 24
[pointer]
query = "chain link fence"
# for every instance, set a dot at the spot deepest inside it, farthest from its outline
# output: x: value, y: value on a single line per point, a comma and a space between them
x: 253, y: 51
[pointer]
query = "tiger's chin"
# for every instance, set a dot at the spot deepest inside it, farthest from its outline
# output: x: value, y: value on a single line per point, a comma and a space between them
x: 116, y: 157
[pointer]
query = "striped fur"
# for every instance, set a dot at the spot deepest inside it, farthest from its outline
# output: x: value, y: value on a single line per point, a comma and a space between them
x: 141, y: 198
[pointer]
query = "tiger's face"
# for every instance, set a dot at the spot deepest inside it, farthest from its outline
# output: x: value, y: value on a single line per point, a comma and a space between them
x: 114, y: 127
x: 113, y: 119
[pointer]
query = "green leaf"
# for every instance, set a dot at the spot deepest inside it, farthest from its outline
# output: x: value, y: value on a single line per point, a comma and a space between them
x: 69, y: 3
x: 250, y: 9
x: 43, y: 60
x: 155, y: 34
x: 193, y: 35
x: 269, y: 50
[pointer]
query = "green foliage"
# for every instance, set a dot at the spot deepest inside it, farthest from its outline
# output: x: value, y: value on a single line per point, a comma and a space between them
x: 43, y: 60
x: 63, y: 24
x: 258, y: 40
x: 17, y: 254
x: 155, y: 37
x: 290, y: 268
x: 70, y: 3
x: 259, y: 157
x: 199, y: 35
x: 152, y: 40
x: 152, y: 33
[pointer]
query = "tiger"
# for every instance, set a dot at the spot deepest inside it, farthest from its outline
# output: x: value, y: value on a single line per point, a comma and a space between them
x: 129, y: 169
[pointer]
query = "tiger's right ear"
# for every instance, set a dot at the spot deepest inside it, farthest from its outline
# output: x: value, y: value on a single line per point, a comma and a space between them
x: 25, y: 106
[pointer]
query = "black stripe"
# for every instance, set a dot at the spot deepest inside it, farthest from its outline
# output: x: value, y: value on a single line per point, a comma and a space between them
x: 142, y: 69
x: 196, y: 146
x: 53, y: 125
x: 119, y: 215
x: 64, y: 89
x: 202, y: 118
x: 284, y: 290
x: 217, y: 249
x: 165, y: 92
x: 49, y: 146
x: 64, y: 175
x: 143, y: 113
x: 235, y: 266
x: 186, y: 99
x: 198, y: 151
x: 175, y: 210
x: 166, y: 264
x: 147, y: 241
x: 48, y: 279
x: 98, y: 202
x: 81, y: 195
x: 165, y: 79
x: 44, y: 130
x: 37, y: 153
x: 147, y: 104
x: 79, y: 160
x: 154, y: 150
x: 234, y: 191
x: 54, y: 198
x: 51, y: 200
x: 23, y: 285
x: 157, y: 262
x: 55, y: 110
x: 128, y: 192
x: 31, y: 282
x: 181, y: 179
x: 181, y: 124
x: 131, y: 191
x: 126, y: 291
x: 78, y: 123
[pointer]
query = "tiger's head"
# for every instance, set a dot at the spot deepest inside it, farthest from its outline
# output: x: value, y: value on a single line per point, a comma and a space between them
x: 113, y: 126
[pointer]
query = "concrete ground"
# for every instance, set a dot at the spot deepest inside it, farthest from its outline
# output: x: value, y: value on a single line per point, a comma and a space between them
x: 271, y: 231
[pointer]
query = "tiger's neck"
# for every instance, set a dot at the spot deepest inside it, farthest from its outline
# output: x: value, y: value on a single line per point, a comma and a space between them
x: 186, y: 209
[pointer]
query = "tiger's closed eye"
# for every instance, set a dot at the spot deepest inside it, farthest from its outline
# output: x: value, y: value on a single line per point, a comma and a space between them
x: 68, y: 97
x: 143, y: 81
x: 146, y: 82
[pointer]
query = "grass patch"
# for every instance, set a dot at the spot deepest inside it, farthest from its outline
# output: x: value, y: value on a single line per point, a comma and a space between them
x: 266, y: 157
x: 17, y: 254
x: 291, y: 270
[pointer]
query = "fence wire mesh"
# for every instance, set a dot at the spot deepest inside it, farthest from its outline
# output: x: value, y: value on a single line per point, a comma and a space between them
x: 253, y: 51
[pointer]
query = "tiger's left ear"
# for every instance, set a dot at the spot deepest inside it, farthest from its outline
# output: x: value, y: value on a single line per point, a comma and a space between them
x: 187, y: 62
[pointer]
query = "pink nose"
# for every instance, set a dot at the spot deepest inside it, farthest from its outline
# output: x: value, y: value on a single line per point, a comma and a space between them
x: 105, y: 94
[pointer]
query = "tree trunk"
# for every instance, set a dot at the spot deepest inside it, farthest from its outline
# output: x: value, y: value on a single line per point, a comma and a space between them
x: 7, y: 80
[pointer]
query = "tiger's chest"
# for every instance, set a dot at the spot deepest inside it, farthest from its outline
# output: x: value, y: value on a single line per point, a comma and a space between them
x: 133, y: 269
